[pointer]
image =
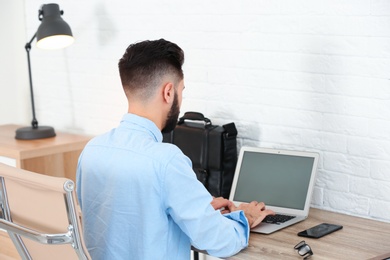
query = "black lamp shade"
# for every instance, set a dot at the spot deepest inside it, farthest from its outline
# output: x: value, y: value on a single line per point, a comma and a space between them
x: 54, y: 32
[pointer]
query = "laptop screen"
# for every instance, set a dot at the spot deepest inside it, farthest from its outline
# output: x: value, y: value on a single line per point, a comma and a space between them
x: 279, y: 180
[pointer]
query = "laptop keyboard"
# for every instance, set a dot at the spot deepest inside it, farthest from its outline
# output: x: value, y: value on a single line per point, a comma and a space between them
x: 277, y: 219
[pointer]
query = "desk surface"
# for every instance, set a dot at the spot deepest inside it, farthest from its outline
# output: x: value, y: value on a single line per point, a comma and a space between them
x: 24, y: 149
x: 359, y: 239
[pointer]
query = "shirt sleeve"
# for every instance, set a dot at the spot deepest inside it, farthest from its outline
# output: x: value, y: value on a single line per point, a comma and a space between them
x: 188, y: 202
x: 78, y: 181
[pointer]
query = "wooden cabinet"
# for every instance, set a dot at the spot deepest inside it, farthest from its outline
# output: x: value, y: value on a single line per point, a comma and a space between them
x: 55, y: 156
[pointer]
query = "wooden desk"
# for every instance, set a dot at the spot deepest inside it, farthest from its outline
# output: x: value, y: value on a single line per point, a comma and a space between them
x: 55, y: 156
x: 359, y: 239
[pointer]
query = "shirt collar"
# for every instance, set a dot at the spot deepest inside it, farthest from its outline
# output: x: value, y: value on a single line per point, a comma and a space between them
x: 142, y: 122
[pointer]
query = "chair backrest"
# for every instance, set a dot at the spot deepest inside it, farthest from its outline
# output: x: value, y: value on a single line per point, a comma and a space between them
x: 41, y: 215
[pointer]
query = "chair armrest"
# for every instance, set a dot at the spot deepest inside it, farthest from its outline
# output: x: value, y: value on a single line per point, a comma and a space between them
x: 64, y: 238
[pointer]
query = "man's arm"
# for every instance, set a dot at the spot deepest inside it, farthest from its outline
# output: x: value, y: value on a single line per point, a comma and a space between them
x: 189, y: 204
x: 255, y: 211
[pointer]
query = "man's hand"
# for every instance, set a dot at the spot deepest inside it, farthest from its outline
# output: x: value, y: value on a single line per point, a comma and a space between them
x: 255, y: 212
x: 221, y: 204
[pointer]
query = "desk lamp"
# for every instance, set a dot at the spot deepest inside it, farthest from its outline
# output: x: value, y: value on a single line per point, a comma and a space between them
x: 53, y: 33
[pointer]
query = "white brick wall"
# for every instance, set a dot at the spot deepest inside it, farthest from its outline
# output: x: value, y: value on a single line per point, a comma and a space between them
x: 304, y: 74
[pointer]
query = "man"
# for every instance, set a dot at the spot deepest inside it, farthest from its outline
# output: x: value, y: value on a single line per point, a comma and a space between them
x: 140, y: 198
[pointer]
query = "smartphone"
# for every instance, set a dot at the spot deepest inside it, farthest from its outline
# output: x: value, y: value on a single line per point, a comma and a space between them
x: 320, y: 230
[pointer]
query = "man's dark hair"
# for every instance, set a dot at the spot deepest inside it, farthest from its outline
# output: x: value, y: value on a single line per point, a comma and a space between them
x: 145, y: 63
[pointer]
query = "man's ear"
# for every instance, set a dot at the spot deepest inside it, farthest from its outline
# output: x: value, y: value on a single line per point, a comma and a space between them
x: 168, y: 92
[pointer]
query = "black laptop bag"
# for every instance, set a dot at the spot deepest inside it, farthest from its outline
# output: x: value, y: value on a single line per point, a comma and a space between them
x: 211, y: 148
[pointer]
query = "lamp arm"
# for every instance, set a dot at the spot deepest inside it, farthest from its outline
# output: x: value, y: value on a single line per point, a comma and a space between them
x: 28, y: 45
x: 34, y: 122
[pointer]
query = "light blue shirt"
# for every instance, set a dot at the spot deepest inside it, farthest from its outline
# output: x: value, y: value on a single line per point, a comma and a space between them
x: 140, y: 199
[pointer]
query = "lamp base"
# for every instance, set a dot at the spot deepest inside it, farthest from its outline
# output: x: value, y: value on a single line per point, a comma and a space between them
x: 30, y: 133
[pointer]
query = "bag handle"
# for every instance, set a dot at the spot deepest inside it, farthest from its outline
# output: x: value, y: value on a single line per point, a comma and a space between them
x: 196, y: 116
x: 231, y: 130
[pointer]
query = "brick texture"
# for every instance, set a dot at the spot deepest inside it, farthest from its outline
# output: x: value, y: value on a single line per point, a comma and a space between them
x: 306, y: 74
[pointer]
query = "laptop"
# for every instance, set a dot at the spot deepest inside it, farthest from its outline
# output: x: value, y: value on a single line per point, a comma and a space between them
x: 282, y: 179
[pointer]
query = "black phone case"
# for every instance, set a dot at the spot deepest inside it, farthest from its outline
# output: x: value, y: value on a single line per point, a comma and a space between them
x: 320, y: 230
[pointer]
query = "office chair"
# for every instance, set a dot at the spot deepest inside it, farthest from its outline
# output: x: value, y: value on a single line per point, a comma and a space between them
x: 41, y: 215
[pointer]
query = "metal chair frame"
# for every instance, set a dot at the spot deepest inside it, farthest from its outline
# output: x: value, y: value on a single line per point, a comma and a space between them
x: 16, y: 231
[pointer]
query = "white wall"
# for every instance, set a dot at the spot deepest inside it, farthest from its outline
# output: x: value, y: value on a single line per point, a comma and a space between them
x: 305, y: 74
x: 14, y: 87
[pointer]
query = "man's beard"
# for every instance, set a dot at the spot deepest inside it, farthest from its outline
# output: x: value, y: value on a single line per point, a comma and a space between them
x: 172, y: 117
